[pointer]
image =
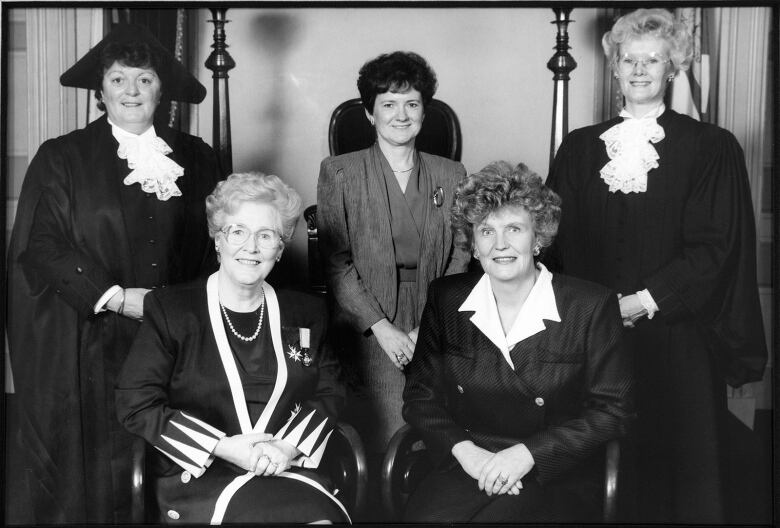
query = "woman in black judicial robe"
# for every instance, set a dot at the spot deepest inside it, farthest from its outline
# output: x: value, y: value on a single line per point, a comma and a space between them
x: 657, y: 206
x: 105, y: 214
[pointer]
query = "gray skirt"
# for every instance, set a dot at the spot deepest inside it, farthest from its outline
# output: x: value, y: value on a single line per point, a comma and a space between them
x: 375, y: 385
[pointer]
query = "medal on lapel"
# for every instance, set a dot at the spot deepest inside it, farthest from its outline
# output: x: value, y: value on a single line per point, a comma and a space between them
x: 438, y: 197
x: 305, y: 344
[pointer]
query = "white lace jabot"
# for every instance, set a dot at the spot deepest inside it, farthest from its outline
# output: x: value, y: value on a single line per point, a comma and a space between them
x: 630, y: 150
x: 146, y: 155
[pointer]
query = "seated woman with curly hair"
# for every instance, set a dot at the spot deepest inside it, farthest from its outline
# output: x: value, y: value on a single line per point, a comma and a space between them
x: 519, y: 375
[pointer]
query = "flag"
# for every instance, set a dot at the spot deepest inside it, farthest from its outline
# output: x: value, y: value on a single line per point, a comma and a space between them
x: 694, y: 92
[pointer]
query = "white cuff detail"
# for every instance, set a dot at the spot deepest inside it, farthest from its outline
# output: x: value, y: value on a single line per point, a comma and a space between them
x: 100, y: 306
x: 647, y: 302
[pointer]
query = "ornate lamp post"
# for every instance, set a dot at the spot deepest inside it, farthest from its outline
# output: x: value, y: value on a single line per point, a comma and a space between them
x: 220, y: 62
x: 560, y: 64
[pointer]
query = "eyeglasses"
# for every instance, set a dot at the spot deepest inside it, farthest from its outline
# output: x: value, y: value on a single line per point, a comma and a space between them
x: 238, y: 234
x: 653, y: 62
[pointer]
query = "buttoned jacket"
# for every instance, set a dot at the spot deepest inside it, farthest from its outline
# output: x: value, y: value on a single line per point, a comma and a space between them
x: 569, y: 393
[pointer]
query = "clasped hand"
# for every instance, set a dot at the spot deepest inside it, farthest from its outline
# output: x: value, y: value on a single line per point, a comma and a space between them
x: 496, y: 473
x: 258, y: 453
x: 397, y: 344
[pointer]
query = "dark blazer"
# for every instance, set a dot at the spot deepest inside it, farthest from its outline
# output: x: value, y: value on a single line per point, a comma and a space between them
x: 181, y: 391
x: 356, y: 242
x: 568, y: 395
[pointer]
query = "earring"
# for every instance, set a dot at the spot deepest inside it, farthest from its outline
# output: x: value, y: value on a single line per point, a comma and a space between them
x: 670, y: 78
x: 537, y: 249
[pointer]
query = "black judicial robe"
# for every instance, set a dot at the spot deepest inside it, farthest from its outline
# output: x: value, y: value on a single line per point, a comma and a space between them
x: 689, y: 239
x: 79, y: 230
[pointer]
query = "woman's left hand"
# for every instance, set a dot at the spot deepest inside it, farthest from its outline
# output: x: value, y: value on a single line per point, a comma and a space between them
x: 631, y: 309
x: 502, y: 473
x: 272, y: 457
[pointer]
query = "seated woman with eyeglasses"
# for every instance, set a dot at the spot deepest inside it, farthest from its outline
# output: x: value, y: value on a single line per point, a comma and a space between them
x: 231, y: 380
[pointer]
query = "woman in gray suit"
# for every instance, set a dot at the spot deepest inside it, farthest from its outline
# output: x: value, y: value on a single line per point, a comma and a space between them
x: 385, y: 234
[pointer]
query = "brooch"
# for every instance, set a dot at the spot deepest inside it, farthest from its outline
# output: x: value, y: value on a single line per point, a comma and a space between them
x: 294, y: 353
x: 438, y: 197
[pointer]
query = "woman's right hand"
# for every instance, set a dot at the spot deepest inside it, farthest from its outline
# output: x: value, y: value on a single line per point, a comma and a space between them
x: 396, y: 343
x: 471, y: 457
x: 237, y: 449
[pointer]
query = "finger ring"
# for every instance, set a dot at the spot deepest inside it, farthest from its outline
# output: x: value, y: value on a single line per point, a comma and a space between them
x: 399, y: 357
x: 502, y: 479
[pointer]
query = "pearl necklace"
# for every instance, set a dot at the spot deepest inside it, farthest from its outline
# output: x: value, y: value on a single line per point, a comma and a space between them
x: 259, y: 322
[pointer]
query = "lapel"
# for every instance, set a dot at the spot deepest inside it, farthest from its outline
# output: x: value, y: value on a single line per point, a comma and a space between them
x: 484, y: 314
x: 480, y: 332
x: 434, y: 243
x: 229, y: 362
x: 533, y: 318
x: 377, y: 195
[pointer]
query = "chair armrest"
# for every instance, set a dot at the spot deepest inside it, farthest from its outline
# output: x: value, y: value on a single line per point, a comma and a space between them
x: 347, y: 467
x: 403, y: 468
x: 611, y: 463
x: 137, y: 501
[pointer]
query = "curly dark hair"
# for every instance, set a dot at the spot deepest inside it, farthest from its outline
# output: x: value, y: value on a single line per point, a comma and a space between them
x: 135, y: 54
x: 501, y: 185
x: 398, y: 71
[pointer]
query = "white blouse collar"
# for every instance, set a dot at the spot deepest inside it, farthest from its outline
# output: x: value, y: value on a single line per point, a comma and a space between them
x: 146, y: 156
x: 539, y: 305
x: 629, y: 147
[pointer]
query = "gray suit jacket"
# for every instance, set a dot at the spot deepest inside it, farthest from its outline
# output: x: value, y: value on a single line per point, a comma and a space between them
x: 356, y: 241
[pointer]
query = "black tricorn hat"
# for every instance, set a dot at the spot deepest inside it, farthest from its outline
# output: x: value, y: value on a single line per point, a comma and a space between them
x: 178, y: 83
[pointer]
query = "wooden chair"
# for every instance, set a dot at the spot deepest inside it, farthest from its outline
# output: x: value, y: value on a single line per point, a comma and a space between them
x: 350, y: 130
x: 316, y: 275
x: 344, y: 461
x: 407, y: 463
